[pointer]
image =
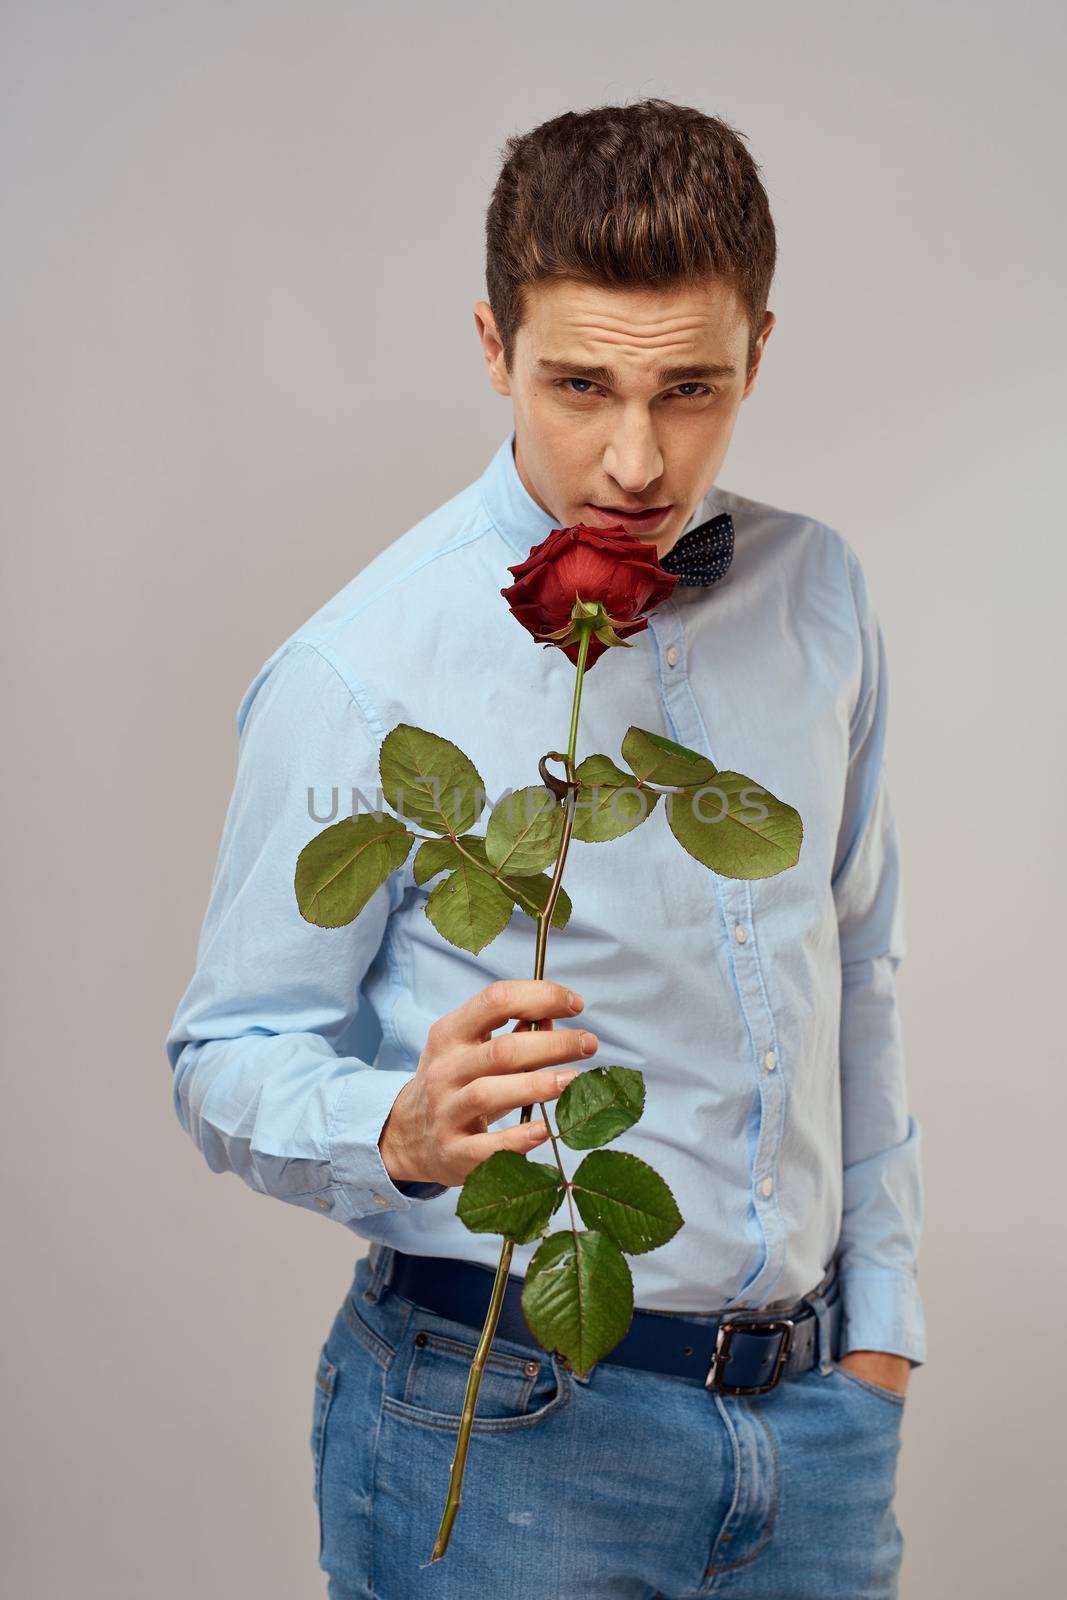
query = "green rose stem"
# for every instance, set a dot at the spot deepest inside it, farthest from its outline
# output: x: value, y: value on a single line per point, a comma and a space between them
x: 474, y: 1378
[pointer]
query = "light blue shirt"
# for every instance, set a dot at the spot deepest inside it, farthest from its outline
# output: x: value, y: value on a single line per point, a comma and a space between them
x: 763, y: 1014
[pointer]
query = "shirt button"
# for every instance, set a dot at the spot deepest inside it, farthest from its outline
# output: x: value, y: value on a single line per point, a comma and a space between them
x: 770, y: 1061
x: 672, y: 657
x: 323, y: 1204
x: 766, y: 1186
x: 379, y: 1199
x: 739, y: 934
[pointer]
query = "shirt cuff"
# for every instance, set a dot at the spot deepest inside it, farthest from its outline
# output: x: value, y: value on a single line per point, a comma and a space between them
x: 883, y: 1310
x: 363, y: 1106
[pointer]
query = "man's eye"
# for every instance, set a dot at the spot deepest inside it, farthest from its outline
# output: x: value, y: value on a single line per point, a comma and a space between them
x: 701, y: 388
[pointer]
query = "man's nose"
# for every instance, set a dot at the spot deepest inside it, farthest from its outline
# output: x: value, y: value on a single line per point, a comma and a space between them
x: 633, y: 457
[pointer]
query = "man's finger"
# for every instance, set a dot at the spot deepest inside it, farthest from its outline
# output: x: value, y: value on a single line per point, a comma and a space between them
x: 529, y: 999
x: 522, y: 1052
x: 520, y: 1136
x: 483, y: 1101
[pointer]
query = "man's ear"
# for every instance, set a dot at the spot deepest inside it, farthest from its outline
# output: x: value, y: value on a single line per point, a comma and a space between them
x: 768, y: 323
x: 492, y: 348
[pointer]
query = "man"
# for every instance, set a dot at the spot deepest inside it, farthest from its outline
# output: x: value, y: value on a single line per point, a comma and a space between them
x: 365, y: 1071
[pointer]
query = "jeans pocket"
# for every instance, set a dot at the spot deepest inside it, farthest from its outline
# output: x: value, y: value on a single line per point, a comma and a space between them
x: 427, y: 1380
x: 440, y: 1367
x: 889, y: 1396
x: 325, y: 1384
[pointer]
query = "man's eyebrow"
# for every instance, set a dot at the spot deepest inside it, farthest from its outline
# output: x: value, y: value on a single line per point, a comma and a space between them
x: 608, y: 377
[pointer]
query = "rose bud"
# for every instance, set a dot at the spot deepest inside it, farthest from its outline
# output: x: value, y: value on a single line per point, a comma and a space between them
x: 584, y: 572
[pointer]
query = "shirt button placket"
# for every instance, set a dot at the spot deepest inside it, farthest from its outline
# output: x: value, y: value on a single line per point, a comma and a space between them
x: 769, y: 1087
x: 686, y: 725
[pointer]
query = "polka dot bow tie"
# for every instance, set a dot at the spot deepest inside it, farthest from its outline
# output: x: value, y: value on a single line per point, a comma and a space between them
x: 702, y: 556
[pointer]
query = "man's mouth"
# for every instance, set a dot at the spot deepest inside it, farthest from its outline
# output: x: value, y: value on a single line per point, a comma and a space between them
x: 635, y: 521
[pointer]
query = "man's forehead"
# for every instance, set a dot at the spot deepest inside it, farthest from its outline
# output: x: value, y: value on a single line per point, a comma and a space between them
x: 657, y: 332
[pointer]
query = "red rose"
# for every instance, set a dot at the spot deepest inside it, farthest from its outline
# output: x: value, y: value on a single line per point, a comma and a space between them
x: 583, y: 571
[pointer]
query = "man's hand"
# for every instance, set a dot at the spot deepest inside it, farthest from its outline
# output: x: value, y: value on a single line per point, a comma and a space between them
x: 879, y: 1367
x: 467, y: 1078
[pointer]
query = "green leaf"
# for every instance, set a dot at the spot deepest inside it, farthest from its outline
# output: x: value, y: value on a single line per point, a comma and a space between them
x: 430, y: 780
x: 598, y: 1105
x: 510, y: 1194
x: 339, y: 870
x: 469, y: 908
x: 531, y: 896
x: 724, y: 829
x: 578, y: 1297
x: 609, y: 803
x: 434, y: 855
x: 622, y: 1196
x: 659, y: 760
x: 524, y: 831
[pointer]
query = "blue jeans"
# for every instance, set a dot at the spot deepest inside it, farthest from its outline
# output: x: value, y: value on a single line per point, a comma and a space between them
x: 624, y: 1485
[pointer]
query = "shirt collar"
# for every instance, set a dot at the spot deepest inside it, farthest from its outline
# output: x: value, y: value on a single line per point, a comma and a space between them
x: 516, y: 515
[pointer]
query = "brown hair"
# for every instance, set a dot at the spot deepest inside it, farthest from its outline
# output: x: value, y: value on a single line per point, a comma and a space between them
x: 639, y: 196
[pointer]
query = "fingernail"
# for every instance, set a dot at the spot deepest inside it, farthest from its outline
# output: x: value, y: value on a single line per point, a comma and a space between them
x: 588, y: 1044
x: 563, y: 1078
x: 538, y: 1130
x: 575, y: 1001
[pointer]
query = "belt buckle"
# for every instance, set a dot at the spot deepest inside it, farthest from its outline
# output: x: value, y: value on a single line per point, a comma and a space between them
x: 721, y: 1354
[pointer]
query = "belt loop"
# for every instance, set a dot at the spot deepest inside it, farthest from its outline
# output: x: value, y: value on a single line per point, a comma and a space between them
x: 380, y: 1257
x: 817, y: 1299
x: 825, y: 1339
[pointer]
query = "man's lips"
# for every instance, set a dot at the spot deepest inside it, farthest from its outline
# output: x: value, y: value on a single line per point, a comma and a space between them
x: 635, y: 521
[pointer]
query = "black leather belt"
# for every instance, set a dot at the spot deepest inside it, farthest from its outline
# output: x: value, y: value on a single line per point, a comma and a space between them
x: 742, y: 1352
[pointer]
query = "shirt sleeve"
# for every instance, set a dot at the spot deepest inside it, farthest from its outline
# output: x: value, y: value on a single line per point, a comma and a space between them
x: 262, y: 1082
x: 883, y: 1189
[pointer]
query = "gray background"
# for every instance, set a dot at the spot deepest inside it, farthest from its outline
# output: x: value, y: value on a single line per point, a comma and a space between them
x: 242, y: 246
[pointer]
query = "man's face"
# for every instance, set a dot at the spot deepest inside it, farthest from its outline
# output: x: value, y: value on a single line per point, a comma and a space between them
x: 625, y: 399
